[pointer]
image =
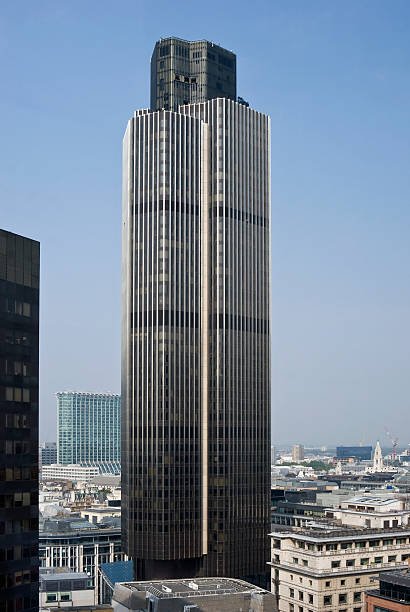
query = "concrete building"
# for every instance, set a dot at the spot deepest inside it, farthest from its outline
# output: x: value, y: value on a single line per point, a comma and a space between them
x: 185, y: 72
x: 64, y: 589
x: 195, y: 341
x: 79, y: 546
x: 296, y: 514
x: 89, y: 430
x: 393, y: 594
x: 333, y: 499
x: 47, y: 453
x: 19, y: 384
x: 272, y: 455
x: 199, y: 594
x: 371, y: 511
x: 96, y: 514
x: 328, y: 568
x: 69, y: 472
x: 298, y: 452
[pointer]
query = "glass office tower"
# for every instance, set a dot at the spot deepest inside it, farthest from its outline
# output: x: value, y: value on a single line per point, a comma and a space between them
x: 89, y: 430
x: 183, y: 72
x: 195, y: 344
x: 19, y: 343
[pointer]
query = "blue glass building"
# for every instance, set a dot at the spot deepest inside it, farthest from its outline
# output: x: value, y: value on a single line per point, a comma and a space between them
x: 89, y: 430
x: 354, y: 452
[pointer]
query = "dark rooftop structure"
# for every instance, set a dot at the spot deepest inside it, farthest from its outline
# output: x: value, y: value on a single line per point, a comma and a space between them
x: 63, y: 581
x: 394, y: 587
x: 76, y: 524
x: 185, y: 72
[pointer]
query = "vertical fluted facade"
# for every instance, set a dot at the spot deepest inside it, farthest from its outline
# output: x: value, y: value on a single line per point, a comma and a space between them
x: 162, y: 427
x: 239, y: 384
x: 195, y: 377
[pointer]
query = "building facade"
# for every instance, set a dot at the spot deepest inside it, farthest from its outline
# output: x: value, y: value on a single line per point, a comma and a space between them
x: 363, y: 453
x: 47, y: 453
x: 69, y: 472
x: 89, y: 430
x: 184, y: 72
x: 195, y: 364
x: 19, y: 344
x: 80, y: 546
x: 63, y: 589
x: 329, y: 570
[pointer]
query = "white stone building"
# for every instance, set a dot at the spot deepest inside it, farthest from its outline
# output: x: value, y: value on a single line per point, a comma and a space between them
x: 324, y: 568
x: 69, y: 472
x: 372, y: 511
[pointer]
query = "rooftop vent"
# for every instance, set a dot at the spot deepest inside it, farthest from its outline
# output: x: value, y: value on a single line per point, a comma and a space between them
x: 193, y: 585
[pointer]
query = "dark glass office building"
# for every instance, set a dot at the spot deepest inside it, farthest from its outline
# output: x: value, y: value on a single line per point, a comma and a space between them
x: 195, y: 361
x: 19, y: 343
x: 184, y: 72
x: 354, y: 452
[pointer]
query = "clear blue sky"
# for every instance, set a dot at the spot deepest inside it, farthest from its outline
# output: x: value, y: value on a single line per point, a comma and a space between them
x: 334, y: 77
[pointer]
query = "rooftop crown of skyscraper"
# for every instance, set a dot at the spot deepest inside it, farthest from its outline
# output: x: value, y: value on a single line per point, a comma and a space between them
x: 185, y: 72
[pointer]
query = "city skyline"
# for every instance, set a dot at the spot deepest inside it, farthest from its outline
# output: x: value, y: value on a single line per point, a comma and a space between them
x: 332, y: 74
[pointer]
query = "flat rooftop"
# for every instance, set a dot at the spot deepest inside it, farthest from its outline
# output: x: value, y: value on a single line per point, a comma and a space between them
x: 103, y: 510
x: 195, y: 587
x: 52, y: 577
x: 107, y: 480
x: 321, y: 532
x: 371, y: 500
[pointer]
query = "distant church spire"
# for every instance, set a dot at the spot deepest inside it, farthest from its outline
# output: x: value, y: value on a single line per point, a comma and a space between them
x: 378, y: 464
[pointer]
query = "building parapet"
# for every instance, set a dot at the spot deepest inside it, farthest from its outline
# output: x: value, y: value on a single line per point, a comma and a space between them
x: 319, y: 534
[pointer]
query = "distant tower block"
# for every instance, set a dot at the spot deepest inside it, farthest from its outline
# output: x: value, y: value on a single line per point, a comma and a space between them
x: 298, y: 452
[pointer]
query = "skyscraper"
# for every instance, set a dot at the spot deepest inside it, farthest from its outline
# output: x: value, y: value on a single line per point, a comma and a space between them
x: 195, y: 362
x: 184, y: 72
x: 19, y: 328
x: 89, y: 430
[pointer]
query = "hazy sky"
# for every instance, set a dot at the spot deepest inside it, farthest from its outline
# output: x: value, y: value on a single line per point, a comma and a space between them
x: 334, y: 77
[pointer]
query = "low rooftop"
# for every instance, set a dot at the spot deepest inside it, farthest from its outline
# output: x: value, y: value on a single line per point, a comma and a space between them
x: 195, y: 587
x: 108, y: 481
x: 74, y: 524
